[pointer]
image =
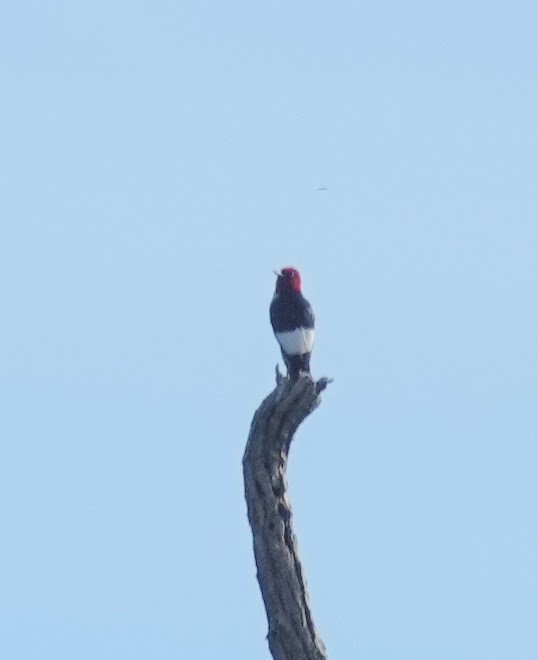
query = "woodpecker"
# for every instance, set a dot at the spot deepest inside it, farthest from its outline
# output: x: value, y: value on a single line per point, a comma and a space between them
x: 292, y: 319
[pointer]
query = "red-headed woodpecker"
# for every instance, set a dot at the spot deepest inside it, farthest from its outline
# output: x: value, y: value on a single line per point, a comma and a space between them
x: 292, y: 319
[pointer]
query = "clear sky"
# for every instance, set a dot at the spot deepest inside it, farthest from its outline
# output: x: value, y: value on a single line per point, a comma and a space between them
x: 158, y: 160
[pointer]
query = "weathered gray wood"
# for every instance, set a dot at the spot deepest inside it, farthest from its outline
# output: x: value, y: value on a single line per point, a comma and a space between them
x: 292, y: 634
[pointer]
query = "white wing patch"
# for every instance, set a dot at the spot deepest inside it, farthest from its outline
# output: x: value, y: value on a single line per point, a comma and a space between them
x: 296, y: 342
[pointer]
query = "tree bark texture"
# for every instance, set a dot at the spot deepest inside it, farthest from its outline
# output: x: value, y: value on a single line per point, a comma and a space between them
x: 292, y: 634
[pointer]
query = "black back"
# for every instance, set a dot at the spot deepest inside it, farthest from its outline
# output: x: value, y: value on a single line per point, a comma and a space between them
x: 290, y: 310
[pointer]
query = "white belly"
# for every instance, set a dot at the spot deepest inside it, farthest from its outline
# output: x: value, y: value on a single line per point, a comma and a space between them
x: 296, y: 342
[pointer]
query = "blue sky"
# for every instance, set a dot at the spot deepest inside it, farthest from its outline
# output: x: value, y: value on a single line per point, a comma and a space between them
x: 158, y: 160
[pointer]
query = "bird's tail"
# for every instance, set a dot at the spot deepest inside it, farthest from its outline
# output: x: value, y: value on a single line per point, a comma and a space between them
x: 297, y: 364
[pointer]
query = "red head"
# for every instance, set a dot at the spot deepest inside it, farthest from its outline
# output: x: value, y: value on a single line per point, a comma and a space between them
x: 288, y: 279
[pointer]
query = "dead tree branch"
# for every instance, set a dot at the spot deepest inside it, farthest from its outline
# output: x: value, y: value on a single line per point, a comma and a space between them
x: 292, y: 634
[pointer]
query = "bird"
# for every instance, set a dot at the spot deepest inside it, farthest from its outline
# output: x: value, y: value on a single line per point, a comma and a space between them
x: 293, y: 322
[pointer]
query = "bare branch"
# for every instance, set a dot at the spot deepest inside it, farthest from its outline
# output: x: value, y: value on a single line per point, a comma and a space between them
x: 292, y: 634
